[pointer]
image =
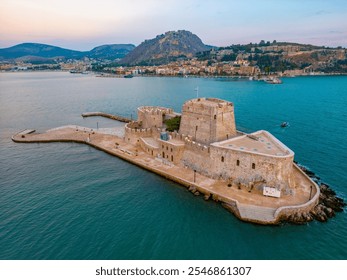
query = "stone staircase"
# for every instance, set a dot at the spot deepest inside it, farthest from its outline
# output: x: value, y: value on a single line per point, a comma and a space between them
x: 258, y: 213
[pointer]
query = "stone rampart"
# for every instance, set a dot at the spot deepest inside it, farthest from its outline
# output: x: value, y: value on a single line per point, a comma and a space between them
x: 133, y: 135
x: 148, y: 148
x: 197, y: 147
x: 150, y: 116
x: 282, y: 213
x: 231, y: 164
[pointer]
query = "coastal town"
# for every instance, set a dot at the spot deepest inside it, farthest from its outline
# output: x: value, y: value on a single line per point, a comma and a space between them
x: 252, y: 60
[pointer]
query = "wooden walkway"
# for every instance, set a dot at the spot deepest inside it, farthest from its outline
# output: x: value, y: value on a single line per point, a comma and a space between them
x: 106, y: 115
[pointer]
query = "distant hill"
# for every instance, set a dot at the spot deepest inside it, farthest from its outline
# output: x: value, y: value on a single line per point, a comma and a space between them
x: 165, y: 48
x: 111, y: 52
x: 36, y: 52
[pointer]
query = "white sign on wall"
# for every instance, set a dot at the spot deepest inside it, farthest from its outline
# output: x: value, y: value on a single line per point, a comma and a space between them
x: 268, y: 191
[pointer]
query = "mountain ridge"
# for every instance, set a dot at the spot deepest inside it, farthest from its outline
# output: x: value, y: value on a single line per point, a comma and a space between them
x: 44, y: 51
x: 164, y: 48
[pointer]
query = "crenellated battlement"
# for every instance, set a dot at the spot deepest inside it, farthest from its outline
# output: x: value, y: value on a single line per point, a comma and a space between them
x: 208, y: 120
x: 154, y: 110
x: 195, y: 146
x: 152, y: 116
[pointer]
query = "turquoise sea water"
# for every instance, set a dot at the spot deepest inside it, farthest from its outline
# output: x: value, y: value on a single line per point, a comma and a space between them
x: 70, y: 201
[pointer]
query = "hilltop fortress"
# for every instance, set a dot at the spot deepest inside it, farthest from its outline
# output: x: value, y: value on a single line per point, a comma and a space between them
x: 252, y: 175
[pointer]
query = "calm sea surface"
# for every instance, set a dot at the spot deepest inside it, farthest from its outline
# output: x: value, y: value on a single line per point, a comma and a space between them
x: 70, y: 201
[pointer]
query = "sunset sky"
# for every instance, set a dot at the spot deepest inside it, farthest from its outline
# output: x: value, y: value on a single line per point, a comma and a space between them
x: 84, y: 24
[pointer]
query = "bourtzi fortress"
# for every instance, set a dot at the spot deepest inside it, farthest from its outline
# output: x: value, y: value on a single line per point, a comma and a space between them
x: 208, y: 142
x: 252, y: 175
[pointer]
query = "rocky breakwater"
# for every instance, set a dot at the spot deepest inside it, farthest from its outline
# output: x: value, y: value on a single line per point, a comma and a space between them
x: 329, y: 203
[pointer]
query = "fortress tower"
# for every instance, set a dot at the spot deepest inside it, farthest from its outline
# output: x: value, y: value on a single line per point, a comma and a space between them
x: 152, y: 116
x: 208, y: 120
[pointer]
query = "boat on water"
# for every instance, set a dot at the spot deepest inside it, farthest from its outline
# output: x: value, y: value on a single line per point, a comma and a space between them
x: 273, y: 80
x: 128, y: 76
x: 284, y: 124
x: 78, y: 72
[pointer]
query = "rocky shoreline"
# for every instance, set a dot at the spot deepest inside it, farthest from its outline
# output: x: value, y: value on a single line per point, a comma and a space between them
x: 329, y: 203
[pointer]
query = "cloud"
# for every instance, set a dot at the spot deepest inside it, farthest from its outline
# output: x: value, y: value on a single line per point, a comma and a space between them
x: 336, y: 32
x: 322, y: 12
x: 87, y: 23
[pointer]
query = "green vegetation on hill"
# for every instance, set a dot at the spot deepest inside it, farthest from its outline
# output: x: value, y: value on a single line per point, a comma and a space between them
x: 179, y: 46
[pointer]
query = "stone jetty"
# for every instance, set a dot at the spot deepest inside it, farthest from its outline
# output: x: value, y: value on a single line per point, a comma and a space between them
x: 106, y: 115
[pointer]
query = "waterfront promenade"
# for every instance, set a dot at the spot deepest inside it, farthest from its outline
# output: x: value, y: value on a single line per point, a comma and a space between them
x: 252, y: 207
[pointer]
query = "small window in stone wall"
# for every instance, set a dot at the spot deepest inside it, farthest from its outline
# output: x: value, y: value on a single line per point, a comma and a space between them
x: 167, y: 148
x: 171, y: 150
x: 171, y: 158
x: 222, y: 159
x: 253, y: 165
x: 215, y: 117
x: 238, y: 163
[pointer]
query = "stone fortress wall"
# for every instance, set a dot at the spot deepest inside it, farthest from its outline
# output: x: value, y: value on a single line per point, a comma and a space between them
x: 242, y: 164
x: 171, y: 151
x: 251, y: 167
x: 208, y: 120
x: 149, y: 122
x: 133, y: 132
x: 151, y: 116
x: 206, y: 124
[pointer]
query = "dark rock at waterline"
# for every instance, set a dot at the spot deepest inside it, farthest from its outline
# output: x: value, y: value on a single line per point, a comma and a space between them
x: 325, y: 189
x: 305, y: 169
x: 329, y: 212
x: 329, y: 199
x: 307, y: 216
x: 328, y: 202
x: 333, y: 203
x: 319, y: 213
x: 300, y: 218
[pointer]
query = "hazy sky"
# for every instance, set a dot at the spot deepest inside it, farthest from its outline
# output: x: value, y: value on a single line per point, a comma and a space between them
x: 84, y: 24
